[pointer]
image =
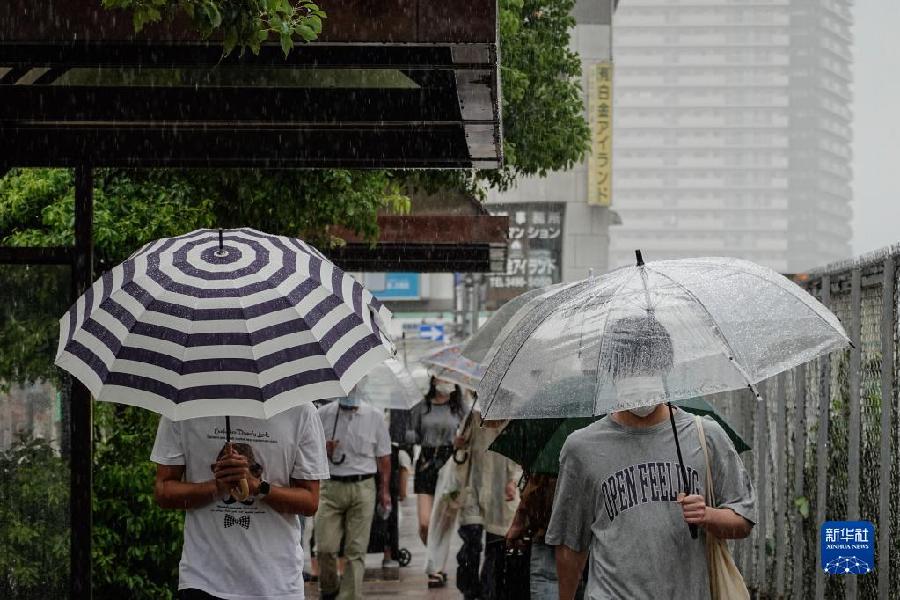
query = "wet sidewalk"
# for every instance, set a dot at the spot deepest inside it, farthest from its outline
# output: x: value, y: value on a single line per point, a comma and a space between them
x: 412, y: 582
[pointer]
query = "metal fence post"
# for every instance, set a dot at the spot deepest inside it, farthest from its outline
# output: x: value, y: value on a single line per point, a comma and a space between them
x: 780, y: 482
x: 799, y: 466
x: 822, y: 445
x: 762, y: 486
x: 887, y: 402
x: 854, y: 423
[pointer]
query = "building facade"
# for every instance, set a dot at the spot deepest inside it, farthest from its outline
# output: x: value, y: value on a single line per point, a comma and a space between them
x: 733, y: 130
x: 556, y: 233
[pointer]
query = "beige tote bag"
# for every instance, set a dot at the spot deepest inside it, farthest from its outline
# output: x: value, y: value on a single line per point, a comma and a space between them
x: 725, y: 581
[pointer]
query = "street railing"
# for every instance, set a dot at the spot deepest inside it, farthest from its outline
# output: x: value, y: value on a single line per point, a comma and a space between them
x: 825, y: 443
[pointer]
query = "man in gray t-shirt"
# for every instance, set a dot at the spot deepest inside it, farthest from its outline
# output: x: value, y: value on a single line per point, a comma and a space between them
x: 621, y: 495
x: 617, y: 498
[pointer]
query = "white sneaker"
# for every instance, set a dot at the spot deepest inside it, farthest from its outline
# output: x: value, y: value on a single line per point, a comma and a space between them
x: 390, y: 564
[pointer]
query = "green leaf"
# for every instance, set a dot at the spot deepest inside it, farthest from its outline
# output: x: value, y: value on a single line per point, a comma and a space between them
x: 230, y: 40
x: 306, y: 32
x: 287, y: 43
x: 801, y: 503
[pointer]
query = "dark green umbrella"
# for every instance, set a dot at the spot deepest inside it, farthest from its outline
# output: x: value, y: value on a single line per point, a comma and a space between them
x: 536, y: 443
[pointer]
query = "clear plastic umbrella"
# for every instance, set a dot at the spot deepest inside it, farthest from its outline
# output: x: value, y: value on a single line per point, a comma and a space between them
x: 464, y: 364
x: 449, y: 363
x: 389, y: 386
x: 705, y: 325
x: 478, y: 347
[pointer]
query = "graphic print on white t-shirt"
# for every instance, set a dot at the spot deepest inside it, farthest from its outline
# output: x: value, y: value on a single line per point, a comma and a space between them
x: 236, y: 549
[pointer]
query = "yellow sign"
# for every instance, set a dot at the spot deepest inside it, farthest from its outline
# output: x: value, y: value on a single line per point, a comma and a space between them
x: 600, y: 86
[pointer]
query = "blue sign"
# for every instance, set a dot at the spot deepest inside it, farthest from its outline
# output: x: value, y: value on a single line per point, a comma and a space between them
x: 848, y: 547
x: 435, y: 333
x: 395, y: 286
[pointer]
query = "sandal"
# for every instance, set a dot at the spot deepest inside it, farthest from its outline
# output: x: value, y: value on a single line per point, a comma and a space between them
x: 437, y: 580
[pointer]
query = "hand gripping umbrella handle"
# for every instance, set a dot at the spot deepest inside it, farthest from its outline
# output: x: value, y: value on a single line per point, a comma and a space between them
x: 684, y: 477
x: 241, y: 491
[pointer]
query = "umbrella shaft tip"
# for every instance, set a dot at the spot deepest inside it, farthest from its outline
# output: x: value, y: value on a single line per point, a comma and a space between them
x: 639, y: 257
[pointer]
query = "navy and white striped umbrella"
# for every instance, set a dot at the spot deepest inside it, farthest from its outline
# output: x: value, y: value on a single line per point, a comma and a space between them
x: 215, y: 323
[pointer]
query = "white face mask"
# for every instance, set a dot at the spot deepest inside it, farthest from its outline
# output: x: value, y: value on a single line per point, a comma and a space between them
x: 643, y: 411
x: 648, y: 392
x: 444, y: 388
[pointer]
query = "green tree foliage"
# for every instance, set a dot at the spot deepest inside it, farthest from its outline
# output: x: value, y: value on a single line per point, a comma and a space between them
x: 241, y: 23
x: 543, y: 113
x: 137, y: 545
x: 132, y: 208
x: 34, y: 530
x: 544, y: 126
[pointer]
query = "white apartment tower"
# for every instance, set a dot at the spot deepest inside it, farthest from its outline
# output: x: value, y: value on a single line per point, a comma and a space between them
x: 732, y: 130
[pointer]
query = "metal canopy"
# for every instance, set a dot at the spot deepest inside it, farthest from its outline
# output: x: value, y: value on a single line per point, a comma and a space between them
x: 428, y: 244
x: 423, y: 244
x: 77, y: 87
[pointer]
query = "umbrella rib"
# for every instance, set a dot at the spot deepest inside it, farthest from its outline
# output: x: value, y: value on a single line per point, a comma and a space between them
x: 252, y: 346
x: 493, y: 393
x: 184, y: 351
x: 718, y: 333
x: 603, y: 339
x: 789, y: 289
x: 128, y: 331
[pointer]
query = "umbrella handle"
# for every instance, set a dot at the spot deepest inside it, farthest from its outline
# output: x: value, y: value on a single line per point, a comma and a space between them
x: 338, y: 462
x: 463, y: 459
x: 691, y: 527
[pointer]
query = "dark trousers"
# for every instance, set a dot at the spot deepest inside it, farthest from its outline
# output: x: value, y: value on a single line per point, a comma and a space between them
x: 468, y: 580
x: 193, y: 594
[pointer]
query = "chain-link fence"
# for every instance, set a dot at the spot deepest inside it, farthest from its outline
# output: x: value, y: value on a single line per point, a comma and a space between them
x: 825, y: 443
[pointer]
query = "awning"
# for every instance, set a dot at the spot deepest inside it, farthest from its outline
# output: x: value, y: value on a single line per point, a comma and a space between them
x: 406, y: 83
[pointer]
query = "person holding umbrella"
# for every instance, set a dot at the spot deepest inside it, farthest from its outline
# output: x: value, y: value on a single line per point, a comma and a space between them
x: 359, y: 448
x: 235, y: 544
x: 230, y: 335
x: 623, y: 497
x: 658, y: 332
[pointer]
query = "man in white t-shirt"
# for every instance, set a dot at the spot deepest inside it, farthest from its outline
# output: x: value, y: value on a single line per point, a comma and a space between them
x: 233, y: 549
x: 358, y: 447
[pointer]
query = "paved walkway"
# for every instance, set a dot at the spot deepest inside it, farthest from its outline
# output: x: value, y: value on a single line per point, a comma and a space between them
x: 412, y: 582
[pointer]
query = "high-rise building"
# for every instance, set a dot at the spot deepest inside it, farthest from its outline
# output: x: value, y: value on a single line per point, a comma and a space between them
x: 732, y: 130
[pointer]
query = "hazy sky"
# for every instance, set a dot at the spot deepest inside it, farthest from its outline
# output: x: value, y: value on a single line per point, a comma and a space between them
x: 876, y: 107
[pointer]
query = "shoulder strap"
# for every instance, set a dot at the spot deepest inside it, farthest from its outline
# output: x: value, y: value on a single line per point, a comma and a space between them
x: 710, y: 493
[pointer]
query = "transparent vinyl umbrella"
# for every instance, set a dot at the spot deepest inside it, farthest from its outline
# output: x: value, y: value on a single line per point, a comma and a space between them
x: 450, y: 364
x: 704, y: 325
x: 465, y: 363
x: 388, y: 386
x: 653, y: 333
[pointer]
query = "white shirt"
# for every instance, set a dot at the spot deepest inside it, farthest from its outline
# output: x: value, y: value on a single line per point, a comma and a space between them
x: 243, y: 551
x: 363, y: 437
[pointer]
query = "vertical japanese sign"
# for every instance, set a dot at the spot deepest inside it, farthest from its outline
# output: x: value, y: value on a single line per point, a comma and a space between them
x: 535, y: 249
x: 600, y: 86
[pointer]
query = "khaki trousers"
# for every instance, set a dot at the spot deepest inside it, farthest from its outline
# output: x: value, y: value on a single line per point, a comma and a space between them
x: 345, y: 511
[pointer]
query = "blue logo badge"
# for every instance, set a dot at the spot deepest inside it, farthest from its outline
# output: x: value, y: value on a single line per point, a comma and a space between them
x: 848, y: 547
